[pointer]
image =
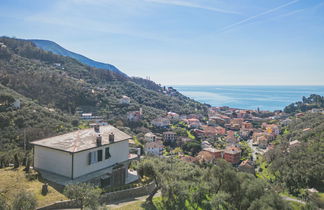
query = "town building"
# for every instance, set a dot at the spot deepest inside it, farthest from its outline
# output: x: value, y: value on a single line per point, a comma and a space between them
x: 173, y: 116
x: 294, y: 144
x: 216, y: 153
x: 149, y: 137
x: 169, y: 136
x: 205, y: 157
x: 124, y: 100
x: 232, y: 154
x: 193, y: 123
x: 161, y: 122
x: 16, y: 104
x: 134, y: 116
x: 154, y: 148
x: 205, y: 144
x: 99, y: 155
x: 247, y: 166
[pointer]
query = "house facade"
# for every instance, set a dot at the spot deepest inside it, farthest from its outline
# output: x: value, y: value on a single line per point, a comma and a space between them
x: 149, y: 137
x: 154, y: 148
x: 232, y: 154
x: 94, y: 155
x: 169, y: 136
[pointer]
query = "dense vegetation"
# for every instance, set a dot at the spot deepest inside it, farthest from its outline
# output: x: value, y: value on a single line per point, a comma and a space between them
x: 311, y: 102
x: 45, y: 82
x: 188, y: 186
x: 302, y: 166
x: 72, y: 85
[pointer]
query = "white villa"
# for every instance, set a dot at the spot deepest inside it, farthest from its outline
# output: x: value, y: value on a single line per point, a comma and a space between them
x: 99, y: 155
x: 154, y: 148
x: 149, y: 137
x: 124, y: 100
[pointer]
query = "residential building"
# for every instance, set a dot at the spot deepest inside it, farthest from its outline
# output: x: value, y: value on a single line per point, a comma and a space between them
x: 205, y: 157
x: 149, y: 137
x: 262, y: 142
x: 161, y: 122
x: 124, y: 100
x: 247, y: 166
x: 215, y: 152
x: 16, y: 104
x: 86, y: 116
x: 205, y: 144
x: 247, y: 125
x: 232, y: 154
x: 294, y: 144
x: 99, y: 155
x: 271, y: 128
x: 154, y: 148
x: 169, y: 136
x: 173, y: 116
x: 134, y: 116
x: 193, y: 123
x: 211, y: 131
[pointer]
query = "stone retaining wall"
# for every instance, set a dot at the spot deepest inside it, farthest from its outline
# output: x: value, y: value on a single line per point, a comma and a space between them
x: 126, y: 194
x: 106, y: 198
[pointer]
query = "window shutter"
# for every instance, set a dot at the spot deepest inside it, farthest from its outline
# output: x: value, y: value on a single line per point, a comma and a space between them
x: 107, y: 153
x: 99, y: 155
x: 89, y: 158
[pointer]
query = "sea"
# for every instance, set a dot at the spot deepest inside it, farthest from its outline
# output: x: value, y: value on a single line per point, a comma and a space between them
x: 249, y: 97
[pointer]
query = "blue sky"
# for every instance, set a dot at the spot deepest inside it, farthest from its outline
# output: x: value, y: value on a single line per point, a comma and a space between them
x: 175, y: 42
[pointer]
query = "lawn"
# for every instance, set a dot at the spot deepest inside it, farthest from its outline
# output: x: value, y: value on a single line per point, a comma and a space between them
x: 264, y: 173
x: 13, y: 181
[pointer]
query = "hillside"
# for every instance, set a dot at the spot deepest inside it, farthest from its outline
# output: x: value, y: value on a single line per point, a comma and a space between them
x: 314, y: 101
x: 57, y: 49
x: 297, y: 162
x: 30, y: 121
x: 53, y: 81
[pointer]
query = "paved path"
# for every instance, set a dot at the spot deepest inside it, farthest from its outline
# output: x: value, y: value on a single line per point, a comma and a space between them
x: 122, y: 203
x: 125, y: 202
x: 292, y: 199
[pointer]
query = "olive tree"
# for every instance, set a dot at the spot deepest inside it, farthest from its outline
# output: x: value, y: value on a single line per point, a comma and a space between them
x: 86, y: 195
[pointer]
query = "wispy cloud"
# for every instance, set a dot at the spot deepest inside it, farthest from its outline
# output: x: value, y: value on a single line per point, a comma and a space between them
x: 193, y: 5
x: 258, y: 15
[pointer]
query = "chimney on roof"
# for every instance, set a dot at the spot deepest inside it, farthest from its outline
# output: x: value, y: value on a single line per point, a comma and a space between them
x: 99, y: 140
x: 111, y: 137
x: 97, y: 128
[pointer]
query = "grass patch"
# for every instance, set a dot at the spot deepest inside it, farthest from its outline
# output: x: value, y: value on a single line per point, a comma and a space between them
x: 263, y: 172
x: 190, y: 136
x: 295, y: 205
x: 141, y: 205
x: 13, y: 181
x: 137, y: 142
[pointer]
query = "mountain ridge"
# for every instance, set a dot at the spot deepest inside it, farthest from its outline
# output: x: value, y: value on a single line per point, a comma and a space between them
x: 55, y: 48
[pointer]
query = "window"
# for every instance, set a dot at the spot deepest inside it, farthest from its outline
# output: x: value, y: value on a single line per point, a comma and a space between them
x: 92, y: 157
x: 99, y: 152
x: 107, y: 153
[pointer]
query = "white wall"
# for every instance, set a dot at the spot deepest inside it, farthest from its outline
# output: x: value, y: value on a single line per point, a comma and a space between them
x: 119, y: 153
x: 153, y: 151
x: 55, y: 161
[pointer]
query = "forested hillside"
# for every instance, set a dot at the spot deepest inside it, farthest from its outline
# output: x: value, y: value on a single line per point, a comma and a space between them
x: 46, y: 81
x: 308, y: 103
x: 301, y: 166
x: 29, y: 121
